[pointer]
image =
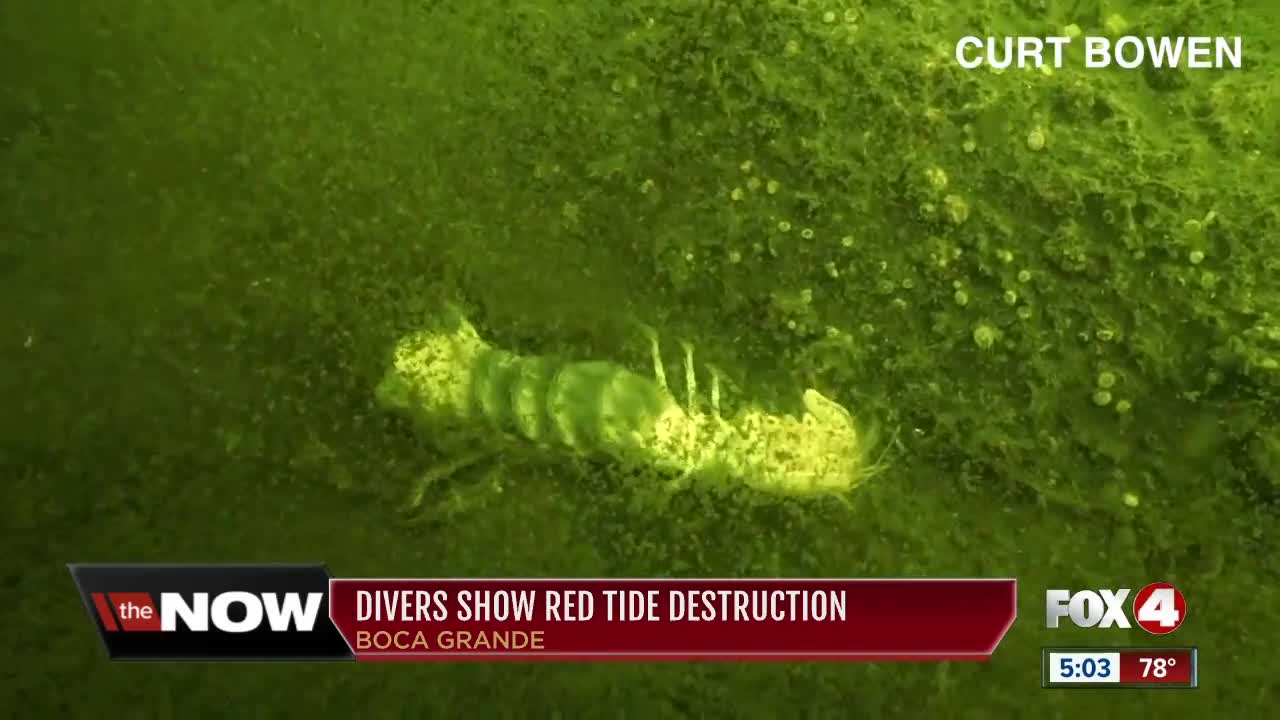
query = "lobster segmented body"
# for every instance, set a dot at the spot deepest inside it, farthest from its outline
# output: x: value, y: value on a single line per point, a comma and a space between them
x: 604, y: 409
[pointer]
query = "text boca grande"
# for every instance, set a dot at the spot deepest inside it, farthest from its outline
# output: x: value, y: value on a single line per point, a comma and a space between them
x: 1128, y: 52
x: 450, y: 641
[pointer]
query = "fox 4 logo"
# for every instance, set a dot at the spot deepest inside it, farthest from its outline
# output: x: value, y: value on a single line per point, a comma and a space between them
x: 1158, y: 608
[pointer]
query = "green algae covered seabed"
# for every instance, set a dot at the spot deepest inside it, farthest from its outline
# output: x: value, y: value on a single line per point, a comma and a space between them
x: 1057, y: 294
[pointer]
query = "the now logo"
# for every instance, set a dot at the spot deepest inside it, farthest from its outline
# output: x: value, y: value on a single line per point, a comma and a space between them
x: 211, y: 612
x: 237, y: 611
x: 1158, y: 608
x: 231, y: 612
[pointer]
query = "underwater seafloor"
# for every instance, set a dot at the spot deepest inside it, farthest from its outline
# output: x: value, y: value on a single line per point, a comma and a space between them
x: 1058, y: 295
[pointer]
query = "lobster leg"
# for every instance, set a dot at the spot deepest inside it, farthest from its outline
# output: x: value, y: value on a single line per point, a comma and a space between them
x: 659, y: 374
x: 715, y: 395
x: 690, y: 380
x: 440, y: 472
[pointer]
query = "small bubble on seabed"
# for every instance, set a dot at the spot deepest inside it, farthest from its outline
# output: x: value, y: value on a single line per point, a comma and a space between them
x: 1036, y: 139
x: 985, y: 336
x: 936, y: 177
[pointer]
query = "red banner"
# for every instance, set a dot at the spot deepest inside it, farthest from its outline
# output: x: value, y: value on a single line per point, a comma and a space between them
x: 671, y: 620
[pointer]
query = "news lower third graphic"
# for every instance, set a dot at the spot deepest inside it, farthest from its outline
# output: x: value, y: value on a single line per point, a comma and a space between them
x: 298, y: 612
x: 674, y: 620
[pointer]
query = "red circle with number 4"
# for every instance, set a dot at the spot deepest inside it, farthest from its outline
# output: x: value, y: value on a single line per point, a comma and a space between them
x: 1159, y: 608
